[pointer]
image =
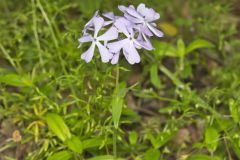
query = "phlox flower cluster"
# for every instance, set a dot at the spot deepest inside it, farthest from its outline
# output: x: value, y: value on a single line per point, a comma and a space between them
x: 121, y: 34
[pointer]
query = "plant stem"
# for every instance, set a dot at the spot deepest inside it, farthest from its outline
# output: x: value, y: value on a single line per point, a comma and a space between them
x: 115, y: 129
x: 115, y: 143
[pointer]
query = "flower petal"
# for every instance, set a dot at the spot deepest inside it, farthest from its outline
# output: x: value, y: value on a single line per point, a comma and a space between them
x: 109, y: 35
x: 132, y: 19
x: 85, y: 38
x: 107, y: 23
x: 109, y: 15
x: 141, y: 7
x: 149, y: 14
x: 121, y: 24
x: 134, y: 13
x: 115, y: 47
x: 90, y: 22
x: 122, y: 8
x: 87, y: 55
x: 115, y: 58
x: 143, y: 43
x: 155, y: 30
x: 104, y: 52
x: 98, y: 23
x: 131, y: 53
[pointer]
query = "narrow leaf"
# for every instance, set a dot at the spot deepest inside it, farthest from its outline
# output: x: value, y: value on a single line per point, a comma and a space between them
x: 95, y: 142
x: 152, y: 154
x: 62, y: 155
x: 75, y: 144
x: 164, y: 49
x: 181, y: 48
x: 154, y: 77
x: 133, y: 137
x: 105, y: 157
x: 15, y: 80
x: 197, y: 44
x: 57, y: 125
x: 211, y: 138
x: 233, y: 106
x: 117, y: 103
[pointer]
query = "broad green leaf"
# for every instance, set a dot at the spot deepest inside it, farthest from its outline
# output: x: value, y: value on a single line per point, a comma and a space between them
x: 117, y: 103
x: 233, y: 106
x: 152, y: 154
x: 15, y: 80
x: 75, y: 144
x: 164, y: 49
x: 62, y: 155
x: 57, y: 125
x: 95, y: 142
x: 202, y: 157
x: 211, y: 138
x: 154, y: 77
x: 181, y: 48
x: 133, y: 137
x: 197, y: 44
x: 105, y: 157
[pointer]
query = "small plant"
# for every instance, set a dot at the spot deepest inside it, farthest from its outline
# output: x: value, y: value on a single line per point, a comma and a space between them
x: 132, y: 93
x: 127, y: 34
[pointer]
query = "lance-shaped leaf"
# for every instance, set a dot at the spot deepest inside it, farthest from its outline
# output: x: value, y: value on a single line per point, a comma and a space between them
x: 117, y: 103
x: 57, y: 125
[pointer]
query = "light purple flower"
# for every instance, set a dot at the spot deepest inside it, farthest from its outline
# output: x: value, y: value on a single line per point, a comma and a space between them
x: 136, y: 27
x: 89, y: 24
x: 128, y: 45
x: 109, y: 35
x: 112, y: 18
x: 144, y: 16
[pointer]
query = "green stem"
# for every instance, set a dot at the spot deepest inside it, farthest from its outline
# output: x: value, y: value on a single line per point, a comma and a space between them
x: 115, y: 143
x: 181, y: 63
x: 35, y: 28
x: 115, y: 129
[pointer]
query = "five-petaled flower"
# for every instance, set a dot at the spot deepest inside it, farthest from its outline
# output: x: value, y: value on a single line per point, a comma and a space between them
x: 111, y: 34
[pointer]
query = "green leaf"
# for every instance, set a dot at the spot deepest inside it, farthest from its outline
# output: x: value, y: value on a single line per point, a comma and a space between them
x: 152, y: 154
x: 181, y: 48
x: 197, y: 44
x: 154, y: 77
x: 75, y: 144
x: 202, y: 157
x: 62, y: 155
x: 15, y: 80
x: 172, y: 76
x: 95, y: 142
x: 211, y: 138
x: 164, y: 49
x: 57, y: 125
x: 105, y: 157
x: 117, y: 103
x: 161, y: 138
x: 133, y: 136
x: 169, y: 109
x: 236, y: 146
x: 233, y: 106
